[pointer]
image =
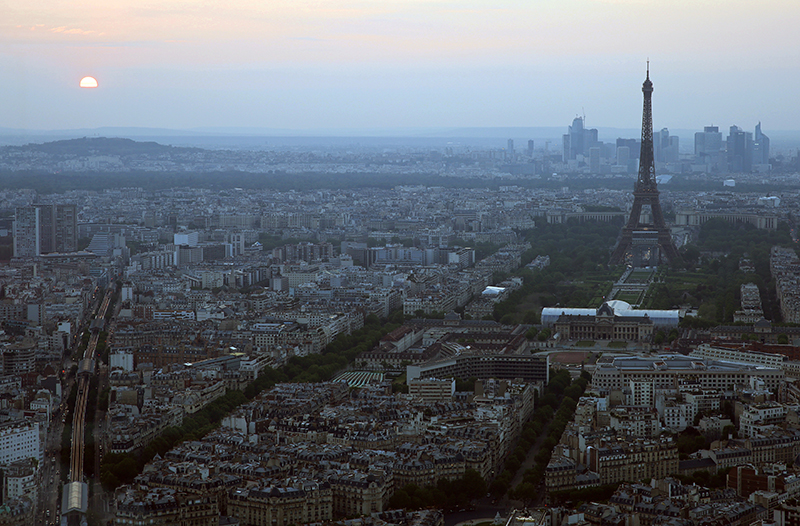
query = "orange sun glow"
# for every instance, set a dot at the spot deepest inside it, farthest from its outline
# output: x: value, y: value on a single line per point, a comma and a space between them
x: 88, y: 82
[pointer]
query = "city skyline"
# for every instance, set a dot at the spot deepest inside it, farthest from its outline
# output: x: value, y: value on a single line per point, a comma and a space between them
x: 367, y: 64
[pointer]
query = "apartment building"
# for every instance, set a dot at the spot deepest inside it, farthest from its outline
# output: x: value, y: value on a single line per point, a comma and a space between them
x: 272, y: 504
x: 19, y: 440
x: 642, y: 459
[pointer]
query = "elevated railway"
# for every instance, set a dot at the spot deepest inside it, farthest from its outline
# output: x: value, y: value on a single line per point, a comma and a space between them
x: 86, y: 369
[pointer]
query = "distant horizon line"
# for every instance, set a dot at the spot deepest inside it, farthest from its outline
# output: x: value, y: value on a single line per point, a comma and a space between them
x: 400, y: 131
x: 258, y: 129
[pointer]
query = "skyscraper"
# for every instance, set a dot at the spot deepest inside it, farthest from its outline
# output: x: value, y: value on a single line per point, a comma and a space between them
x: 66, y: 228
x: 708, y: 149
x: 578, y: 140
x: 509, y: 155
x: 760, y: 147
x: 661, y: 143
x: 623, y: 155
x: 594, y: 159
x: 47, y: 228
x: 42, y: 229
x: 26, y: 232
x: 633, y: 145
x: 740, y: 150
x: 666, y: 147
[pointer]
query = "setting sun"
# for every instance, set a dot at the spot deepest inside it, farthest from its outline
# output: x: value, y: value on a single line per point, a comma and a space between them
x: 88, y: 82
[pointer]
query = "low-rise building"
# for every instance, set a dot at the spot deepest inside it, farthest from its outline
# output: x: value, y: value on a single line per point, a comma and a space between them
x: 432, y: 389
x: 669, y: 371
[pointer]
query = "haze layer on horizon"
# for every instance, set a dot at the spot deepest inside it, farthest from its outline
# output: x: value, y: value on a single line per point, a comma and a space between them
x: 295, y: 64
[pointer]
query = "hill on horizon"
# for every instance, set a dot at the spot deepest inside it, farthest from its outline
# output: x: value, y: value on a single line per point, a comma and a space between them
x: 87, y: 146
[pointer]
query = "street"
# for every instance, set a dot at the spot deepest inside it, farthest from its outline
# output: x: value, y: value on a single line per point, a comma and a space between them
x: 481, y: 511
x: 50, y: 473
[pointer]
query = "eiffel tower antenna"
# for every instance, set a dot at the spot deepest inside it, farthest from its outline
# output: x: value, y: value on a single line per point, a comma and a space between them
x: 645, y: 242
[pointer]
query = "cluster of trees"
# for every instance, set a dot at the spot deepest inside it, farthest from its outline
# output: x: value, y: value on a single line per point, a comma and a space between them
x: 661, y: 336
x: 335, y: 357
x: 577, y: 276
x: 484, y: 249
x: 447, y: 494
x: 433, y: 315
x: 714, y: 283
x: 568, y: 393
x: 121, y: 468
x: 103, y: 400
x: 88, y: 450
x: 690, y: 440
x: 101, y: 351
x: 49, y: 183
x: 572, y: 496
x: 395, y: 240
x: 705, y: 478
x: 466, y: 385
x: 558, y: 389
x: 113, y: 302
x: 66, y: 452
x: 269, y: 241
x: 718, y: 235
x: 693, y: 322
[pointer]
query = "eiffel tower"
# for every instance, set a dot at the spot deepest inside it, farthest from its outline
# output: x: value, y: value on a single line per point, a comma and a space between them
x: 645, y: 240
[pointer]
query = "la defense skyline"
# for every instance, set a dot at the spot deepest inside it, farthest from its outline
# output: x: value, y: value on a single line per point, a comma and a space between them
x: 740, y: 151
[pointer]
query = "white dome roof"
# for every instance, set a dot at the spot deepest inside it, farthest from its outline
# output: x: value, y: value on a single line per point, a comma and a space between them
x: 619, y: 305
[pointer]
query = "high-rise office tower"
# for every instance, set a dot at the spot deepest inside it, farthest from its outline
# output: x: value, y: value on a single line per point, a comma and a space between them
x: 594, y: 159
x: 42, y: 229
x: 760, y: 147
x: 633, y: 145
x: 740, y: 150
x: 661, y: 143
x: 673, y: 150
x: 623, y: 155
x: 645, y: 242
x: 708, y: 148
x: 578, y: 140
x: 510, y: 145
x: 708, y: 141
x: 530, y: 147
x: 666, y: 147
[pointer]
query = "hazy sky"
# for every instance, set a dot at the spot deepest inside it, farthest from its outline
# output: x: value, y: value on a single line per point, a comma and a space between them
x: 300, y: 64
